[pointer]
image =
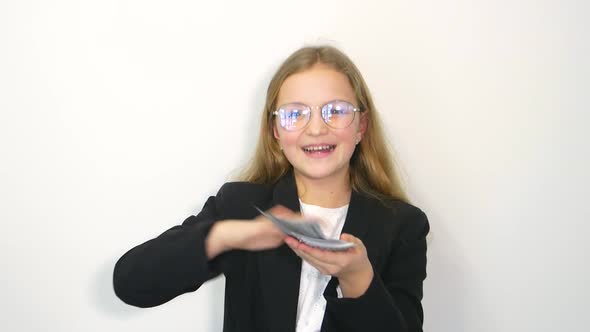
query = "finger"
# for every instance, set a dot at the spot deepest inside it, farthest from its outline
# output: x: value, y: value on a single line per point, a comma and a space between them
x: 333, y: 258
x: 329, y: 256
x: 351, y: 238
x: 323, y: 267
x: 326, y: 256
x: 292, y: 242
x: 279, y: 209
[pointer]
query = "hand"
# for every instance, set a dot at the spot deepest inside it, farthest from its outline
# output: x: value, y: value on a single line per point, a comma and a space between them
x: 257, y: 234
x: 261, y: 233
x: 351, y: 266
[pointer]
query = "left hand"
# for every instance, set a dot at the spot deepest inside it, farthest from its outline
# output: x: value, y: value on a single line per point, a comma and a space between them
x: 351, y: 266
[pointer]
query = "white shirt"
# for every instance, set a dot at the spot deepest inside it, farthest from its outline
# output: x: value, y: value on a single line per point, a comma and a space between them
x: 312, y: 304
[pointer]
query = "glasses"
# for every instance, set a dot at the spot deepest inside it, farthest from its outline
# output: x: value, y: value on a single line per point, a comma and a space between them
x: 337, y: 114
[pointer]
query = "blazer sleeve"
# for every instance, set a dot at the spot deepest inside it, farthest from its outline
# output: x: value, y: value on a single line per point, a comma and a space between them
x: 171, y: 264
x: 393, y: 300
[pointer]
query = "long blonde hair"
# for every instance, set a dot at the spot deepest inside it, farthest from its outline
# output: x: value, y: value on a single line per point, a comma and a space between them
x: 372, y: 170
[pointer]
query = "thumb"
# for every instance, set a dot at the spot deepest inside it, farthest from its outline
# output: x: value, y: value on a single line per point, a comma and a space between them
x: 348, y: 238
x: 281, y: 211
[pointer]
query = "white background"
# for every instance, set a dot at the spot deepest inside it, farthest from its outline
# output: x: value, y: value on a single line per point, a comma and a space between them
x: 118, y: 119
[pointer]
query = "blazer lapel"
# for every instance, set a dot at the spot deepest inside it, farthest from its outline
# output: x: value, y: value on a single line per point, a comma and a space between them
x: 356, y: 224
x: 356, y: 217
x: 280, y: 268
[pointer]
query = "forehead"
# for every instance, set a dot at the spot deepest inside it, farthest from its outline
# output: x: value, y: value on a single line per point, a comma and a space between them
x: 315, y: 86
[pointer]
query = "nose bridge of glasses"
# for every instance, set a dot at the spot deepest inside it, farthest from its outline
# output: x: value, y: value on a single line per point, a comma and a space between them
x: 317, y: 119
x: 322, y: 110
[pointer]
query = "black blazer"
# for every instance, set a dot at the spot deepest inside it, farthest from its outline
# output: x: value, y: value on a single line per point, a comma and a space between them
x: 262, y: 287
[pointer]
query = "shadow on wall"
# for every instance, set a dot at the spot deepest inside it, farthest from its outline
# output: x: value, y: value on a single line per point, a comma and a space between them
x: 103, y: 294
x: 102, y: 297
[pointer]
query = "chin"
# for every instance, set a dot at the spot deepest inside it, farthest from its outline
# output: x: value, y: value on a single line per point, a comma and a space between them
x: 318, y: 174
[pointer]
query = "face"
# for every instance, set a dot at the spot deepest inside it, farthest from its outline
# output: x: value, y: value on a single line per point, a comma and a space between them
x: 306, y: 148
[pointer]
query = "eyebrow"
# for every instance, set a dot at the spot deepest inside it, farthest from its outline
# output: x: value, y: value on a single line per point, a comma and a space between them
x: 322, y: 104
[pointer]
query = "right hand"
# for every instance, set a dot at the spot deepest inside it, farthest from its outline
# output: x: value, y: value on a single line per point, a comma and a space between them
x: 257, y: 234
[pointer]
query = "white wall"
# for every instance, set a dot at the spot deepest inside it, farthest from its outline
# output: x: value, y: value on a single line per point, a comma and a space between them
x: 118, y: 118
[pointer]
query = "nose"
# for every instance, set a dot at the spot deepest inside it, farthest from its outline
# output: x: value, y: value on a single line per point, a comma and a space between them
x: 316, y: 125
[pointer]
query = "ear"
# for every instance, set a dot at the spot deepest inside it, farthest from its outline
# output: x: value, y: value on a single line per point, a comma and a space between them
x: 275, y: 132
x: 362, y: 126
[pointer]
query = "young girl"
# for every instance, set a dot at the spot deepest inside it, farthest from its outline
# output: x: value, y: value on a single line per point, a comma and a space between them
x: 321, y: 153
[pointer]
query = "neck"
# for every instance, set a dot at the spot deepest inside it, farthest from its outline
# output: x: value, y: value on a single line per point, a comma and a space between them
x: 331, y: 192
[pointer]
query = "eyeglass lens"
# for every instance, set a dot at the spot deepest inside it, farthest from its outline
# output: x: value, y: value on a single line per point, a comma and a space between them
x: 336, y: 114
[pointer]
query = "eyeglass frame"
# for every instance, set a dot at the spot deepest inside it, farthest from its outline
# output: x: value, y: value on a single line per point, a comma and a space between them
x: 354, y: 111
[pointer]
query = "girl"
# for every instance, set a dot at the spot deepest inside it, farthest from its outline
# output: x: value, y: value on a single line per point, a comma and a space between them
x: 321, y: 153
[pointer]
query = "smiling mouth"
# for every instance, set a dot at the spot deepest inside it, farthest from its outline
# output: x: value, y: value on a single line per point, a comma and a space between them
x: 318, y: 148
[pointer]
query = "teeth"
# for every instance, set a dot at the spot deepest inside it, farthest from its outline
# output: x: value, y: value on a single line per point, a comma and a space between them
x: 319, y: 148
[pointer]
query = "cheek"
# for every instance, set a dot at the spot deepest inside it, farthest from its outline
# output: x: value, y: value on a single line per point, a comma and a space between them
x: 348, y: 137
x: 288, y: 140
x: 289, y: 144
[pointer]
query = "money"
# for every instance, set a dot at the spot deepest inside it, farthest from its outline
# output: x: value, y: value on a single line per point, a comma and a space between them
x: 307, y: 231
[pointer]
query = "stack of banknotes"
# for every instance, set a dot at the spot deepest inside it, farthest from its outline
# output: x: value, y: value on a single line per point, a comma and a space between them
x: 307, y: 231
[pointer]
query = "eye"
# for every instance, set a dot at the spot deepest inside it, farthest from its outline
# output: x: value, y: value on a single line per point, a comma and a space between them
x: 290, y: 115
x: 293, y: 110
x: 293, y: 115
x: 337, y: 108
